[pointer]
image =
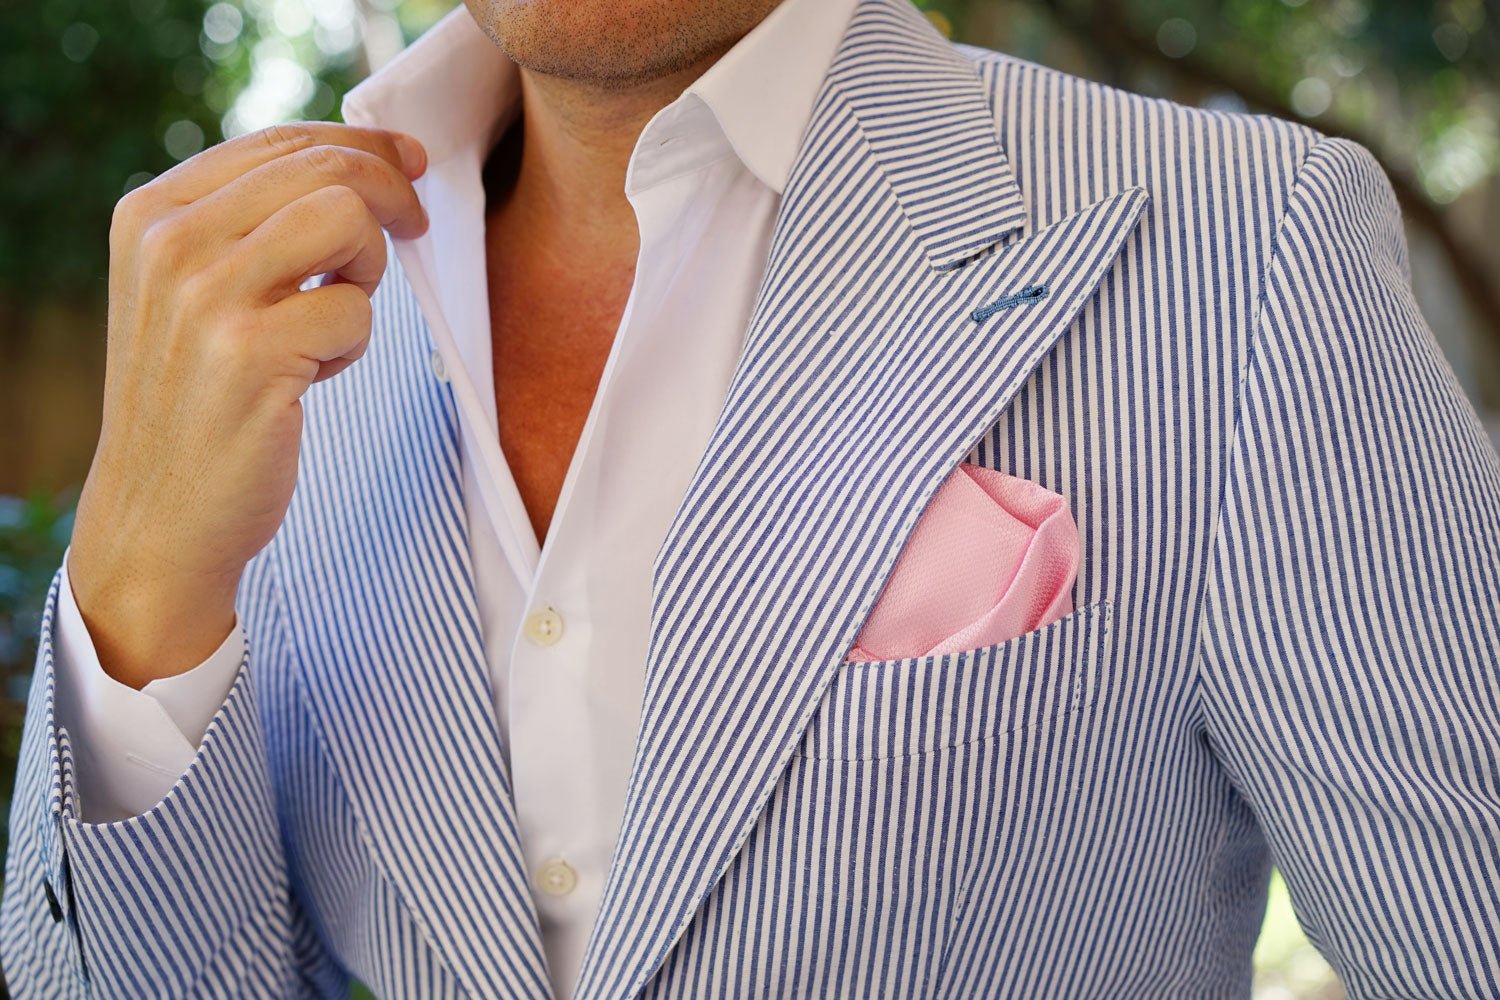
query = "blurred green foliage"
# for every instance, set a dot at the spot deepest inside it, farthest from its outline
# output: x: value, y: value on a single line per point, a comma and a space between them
x: 87, y: 89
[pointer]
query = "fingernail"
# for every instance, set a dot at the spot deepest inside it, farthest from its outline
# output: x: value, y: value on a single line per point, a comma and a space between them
x: 413, y: 156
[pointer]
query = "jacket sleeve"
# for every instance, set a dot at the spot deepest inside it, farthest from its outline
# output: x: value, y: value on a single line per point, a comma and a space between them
x: 189, y: 898
x: 1348, y: 659
x: 130, y: 746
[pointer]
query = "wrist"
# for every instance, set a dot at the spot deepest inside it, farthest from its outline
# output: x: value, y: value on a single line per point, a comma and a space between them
x: 147, y: 623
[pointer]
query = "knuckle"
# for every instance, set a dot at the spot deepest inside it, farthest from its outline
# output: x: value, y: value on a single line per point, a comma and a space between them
x: 165, y: 242
x: 345, y: 202
x: 376, y: 246
x: 133, y: 212
x: 240, y: 327
x: 198, y: 292
x: 235, y: 342
x: 288, y: 137
x: 337, y: 161
x: 349, y: 308
x: 359, y: 349
x: 360, y: 311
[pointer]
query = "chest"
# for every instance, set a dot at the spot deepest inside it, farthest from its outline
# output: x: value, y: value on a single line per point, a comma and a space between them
x: 551, y: 332
x: 893, y: 827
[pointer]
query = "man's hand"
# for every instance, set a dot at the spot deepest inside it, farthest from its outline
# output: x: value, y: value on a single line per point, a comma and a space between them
x: 211, y: 346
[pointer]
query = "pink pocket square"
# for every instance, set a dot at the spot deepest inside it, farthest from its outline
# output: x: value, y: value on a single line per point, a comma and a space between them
x: 993, y: 557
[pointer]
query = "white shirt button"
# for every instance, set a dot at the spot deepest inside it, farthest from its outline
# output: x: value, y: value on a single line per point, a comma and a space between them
x: 544, y: 627
x: 439, y: 370
x: 556, y: 877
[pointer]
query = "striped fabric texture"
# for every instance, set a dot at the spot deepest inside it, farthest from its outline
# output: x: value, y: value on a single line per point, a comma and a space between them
x: 1284, y: 648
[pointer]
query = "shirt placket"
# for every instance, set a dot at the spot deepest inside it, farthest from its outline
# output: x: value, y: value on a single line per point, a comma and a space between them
x: 558, y: 739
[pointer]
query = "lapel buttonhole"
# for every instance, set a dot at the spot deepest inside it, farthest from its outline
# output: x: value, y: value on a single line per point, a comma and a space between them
x: 1027, y: 295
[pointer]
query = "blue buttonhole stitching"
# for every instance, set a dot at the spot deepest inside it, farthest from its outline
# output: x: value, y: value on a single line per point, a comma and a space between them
x: 1030, y: 293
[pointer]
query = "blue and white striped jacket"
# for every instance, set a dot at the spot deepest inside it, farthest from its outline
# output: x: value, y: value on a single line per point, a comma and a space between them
x: 1285, y: 648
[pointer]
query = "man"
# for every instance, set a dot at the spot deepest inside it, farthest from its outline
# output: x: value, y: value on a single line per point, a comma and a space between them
x: 719, y: 301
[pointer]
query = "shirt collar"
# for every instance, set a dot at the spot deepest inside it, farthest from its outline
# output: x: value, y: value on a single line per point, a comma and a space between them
x: 454, y: 89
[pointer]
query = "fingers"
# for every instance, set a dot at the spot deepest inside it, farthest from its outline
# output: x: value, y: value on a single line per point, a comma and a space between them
x: 175, y: 193
x: 191, y: 216
x: 240, y: 206
x: 319, y: 332
x: 330, y: 229
x: 210, y: 170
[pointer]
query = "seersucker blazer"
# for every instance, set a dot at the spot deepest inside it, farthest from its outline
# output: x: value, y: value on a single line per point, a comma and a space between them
x: 1284, y: 648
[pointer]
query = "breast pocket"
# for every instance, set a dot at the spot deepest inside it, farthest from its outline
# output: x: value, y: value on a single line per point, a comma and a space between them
x: 894, y: 708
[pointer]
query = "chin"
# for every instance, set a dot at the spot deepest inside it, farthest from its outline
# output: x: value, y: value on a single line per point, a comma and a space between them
x: 615, y: 44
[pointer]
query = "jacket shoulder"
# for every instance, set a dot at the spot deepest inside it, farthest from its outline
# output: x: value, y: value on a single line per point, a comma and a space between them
x: 1220, y: 182
x: 1011, y: 80
x: 1053, y: 123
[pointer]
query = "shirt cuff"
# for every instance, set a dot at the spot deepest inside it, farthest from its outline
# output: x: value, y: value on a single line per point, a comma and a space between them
x: 132, y: 745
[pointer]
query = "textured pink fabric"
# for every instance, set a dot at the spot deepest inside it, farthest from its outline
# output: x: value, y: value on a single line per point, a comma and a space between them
x: 992, y: 557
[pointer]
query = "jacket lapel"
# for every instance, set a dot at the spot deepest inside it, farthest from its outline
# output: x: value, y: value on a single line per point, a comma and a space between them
x: 903, y: 307
x: 401, y: 698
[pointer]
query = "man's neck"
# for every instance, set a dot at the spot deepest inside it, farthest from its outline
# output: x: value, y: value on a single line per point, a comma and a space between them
x: 568, y: 190
x: 561, y: 242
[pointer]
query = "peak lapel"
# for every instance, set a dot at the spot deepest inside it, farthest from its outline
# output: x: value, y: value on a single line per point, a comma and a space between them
x: 929, y: 125
x: 400, y: 695
x: 866, y: 378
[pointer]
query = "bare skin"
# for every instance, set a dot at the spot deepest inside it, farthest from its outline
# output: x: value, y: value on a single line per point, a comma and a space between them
x: 561, y: 239
x: 211, y: 344
x: 210, y: 348
x: 548, y: 238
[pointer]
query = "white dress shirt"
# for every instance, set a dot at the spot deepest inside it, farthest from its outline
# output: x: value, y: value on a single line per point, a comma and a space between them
x: 565, y: 624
